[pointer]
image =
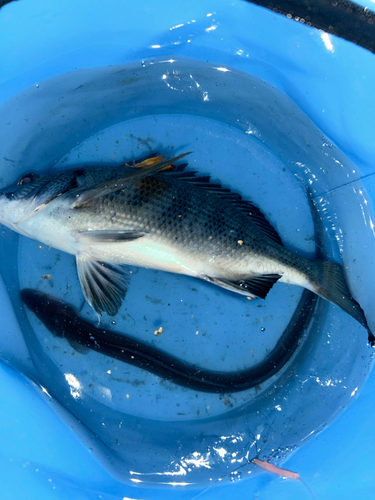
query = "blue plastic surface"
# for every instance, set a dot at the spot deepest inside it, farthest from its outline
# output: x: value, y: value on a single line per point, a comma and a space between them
x: 331, y: 80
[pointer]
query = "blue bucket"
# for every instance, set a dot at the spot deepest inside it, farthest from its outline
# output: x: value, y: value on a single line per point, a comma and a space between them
x: 268, y: 106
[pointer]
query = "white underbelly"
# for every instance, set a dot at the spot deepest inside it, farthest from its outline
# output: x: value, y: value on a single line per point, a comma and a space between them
x: 156, y: 254
x: 146, y: 253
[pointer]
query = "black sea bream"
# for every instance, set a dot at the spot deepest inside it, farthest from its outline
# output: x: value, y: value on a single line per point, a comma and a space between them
x: 170, y: 220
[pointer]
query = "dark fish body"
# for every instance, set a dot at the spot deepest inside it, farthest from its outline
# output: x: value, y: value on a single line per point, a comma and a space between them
x: 64, y: 321
x: 172, y: 221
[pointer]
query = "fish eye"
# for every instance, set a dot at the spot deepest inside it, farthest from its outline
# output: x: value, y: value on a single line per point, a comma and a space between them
x: 27, y: 179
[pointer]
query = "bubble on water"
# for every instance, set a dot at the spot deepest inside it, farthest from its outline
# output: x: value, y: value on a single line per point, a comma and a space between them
x: 326, y: 143
x: 235, y: 476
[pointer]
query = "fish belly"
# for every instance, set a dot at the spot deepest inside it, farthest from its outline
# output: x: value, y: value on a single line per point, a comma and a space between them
x: 162, y: 255
x: 145, y: 252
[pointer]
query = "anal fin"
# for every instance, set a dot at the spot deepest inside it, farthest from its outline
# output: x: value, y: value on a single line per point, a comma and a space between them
x: 256, y: 286
x: 104, y: 285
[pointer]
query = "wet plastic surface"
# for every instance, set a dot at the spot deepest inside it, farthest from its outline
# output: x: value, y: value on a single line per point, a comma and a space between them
x: 318, y: 74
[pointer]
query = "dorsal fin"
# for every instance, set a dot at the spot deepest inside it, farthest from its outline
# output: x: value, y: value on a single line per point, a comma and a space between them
x: 246, y: 207
x: 86, y: 197
x: 203, y: 182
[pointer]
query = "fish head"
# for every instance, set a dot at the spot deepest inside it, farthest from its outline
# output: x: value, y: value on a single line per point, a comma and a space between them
x: 31, y: 193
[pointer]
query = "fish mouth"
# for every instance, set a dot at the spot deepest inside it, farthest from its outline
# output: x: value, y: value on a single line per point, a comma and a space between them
x: 16, y: 205
x: 8, y: 193
x: 20, y: 191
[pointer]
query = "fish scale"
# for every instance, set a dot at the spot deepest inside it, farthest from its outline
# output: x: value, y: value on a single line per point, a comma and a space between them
x: 172, y: 207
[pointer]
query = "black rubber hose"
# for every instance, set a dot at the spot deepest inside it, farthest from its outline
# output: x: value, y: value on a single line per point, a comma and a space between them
x: 342, y: 18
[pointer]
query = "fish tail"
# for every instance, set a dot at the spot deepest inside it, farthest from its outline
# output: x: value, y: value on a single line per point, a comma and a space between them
x: 332, y: 286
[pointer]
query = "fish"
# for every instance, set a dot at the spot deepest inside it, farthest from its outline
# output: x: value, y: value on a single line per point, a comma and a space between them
x: 152, y: 215
x: 63, y: 320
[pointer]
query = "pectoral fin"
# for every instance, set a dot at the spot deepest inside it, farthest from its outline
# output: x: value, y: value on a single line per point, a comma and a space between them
x: 104, y: 285
x: 257, y: 286
x: 106, y: 236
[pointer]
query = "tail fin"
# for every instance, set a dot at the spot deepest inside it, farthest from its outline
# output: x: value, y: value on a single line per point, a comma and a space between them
x: 332, y: 286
